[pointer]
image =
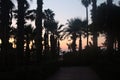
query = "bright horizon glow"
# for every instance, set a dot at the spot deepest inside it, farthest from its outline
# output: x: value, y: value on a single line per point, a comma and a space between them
x: 64, y: 47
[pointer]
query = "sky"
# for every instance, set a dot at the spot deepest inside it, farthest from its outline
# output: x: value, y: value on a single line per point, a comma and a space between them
x: 67, y: 9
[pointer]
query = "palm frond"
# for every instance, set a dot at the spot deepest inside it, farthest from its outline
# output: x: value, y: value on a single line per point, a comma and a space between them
x: 60, y: 26
x: 86, y: 2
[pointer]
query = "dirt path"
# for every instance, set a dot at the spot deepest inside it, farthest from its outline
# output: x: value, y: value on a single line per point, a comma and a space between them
x: 74, y: 73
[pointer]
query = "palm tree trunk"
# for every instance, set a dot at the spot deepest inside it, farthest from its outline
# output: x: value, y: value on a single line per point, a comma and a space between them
x: 5, y: 18
x: 53, y: 45
x: 87, y: 25
x: 20, y: 33
x: 74, y: 42
x: 27, y: 50
x: 118, y: 43
x: 110, y: 43
x: 46, y: 42
x: 94, y: 7
x: 80, y: 43
x: 38, y: 23
x: 95, y: 39
x: 58, y: 46
x: 115, y: 44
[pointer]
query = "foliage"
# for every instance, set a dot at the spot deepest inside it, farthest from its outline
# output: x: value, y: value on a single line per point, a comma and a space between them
x: 86, y: 2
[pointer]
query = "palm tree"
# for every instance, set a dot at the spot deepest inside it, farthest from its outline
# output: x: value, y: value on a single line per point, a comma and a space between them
x: 94, y: 29
x: 107, y: 22
x: 53, y: 26
x: 58, y: 32
x: 49, y: 17
x: 75, y: 27
x: 5, y: 22
x: 29, y: 15
x: 55, y: 32
x: 82, y: 25
x: 38, y: 23
x: 53, y: 29
x: 13, y: 34
x: 86, y: 4
x: 28, y: 34
x: 22, y: 7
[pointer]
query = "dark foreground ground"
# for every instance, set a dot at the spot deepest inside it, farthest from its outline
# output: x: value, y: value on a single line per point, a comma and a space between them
x: 51, y: 72
x: 71, y: 68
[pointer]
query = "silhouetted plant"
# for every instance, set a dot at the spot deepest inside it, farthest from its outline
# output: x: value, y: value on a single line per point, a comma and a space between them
x: 28, y: 37
x: 6, y: 7
x: 22, y: 7
x: 94, y: 26
x: 107, y: 15
x: 86, y: 3
x: 49, y: 17
x: 38, y: 23
x: 52, y: 28
x: 75, y: 28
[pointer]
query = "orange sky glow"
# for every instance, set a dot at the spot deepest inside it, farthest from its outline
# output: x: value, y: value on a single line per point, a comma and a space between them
x: 64, y: 47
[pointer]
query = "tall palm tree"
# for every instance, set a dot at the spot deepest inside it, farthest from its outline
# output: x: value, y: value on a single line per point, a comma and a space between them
x: 29, y: 15
x: 94, y: 31
x: 86, y: 4
x: 22, y: 7
x: 5, y: 22
x: 38, y: 23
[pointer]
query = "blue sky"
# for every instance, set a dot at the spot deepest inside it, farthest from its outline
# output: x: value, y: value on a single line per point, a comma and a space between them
x: 66, y: 9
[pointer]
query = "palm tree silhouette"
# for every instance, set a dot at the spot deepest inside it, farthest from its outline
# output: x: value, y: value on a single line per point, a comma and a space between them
x: 86, y: 4
x: 22, y: 7
x: 49, y: 17
x: 107, y: 22
x: 38, y: 23
x: 94, y: 26
x: 55, y: 30
x: 75, y: 28
x: 58, y: 32
x: 82, y: 25
x: 6, y: 7
x: 28, y: 36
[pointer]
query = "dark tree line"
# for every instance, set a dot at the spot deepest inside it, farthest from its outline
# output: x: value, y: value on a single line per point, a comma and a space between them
x: 29, y: 43
x: 6, y: 16
x: 107, y: 20
x: 33, y: 44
